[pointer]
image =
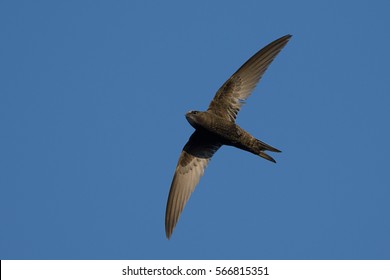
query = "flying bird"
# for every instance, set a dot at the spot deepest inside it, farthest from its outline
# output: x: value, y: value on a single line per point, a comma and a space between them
x: 216, y: 127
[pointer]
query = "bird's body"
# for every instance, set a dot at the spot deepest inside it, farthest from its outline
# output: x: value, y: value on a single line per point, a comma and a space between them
x: 224, y: 129
x: 228, y: 133
x: 216, y: 127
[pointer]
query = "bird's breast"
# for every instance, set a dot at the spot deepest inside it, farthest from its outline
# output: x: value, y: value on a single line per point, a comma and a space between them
x: 219, y: 126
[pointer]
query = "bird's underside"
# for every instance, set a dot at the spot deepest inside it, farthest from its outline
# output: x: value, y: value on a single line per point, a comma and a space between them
x: 216, y: 127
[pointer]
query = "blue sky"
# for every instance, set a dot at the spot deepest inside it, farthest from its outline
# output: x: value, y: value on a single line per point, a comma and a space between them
x: 92, y: 102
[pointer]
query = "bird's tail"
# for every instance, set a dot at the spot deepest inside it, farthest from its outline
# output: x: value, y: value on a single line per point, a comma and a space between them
x: 261, y: 147
x: 249, y: 143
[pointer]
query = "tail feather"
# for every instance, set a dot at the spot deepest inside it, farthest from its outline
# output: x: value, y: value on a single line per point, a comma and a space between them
x: 265, y: 147
x: 268, y: 157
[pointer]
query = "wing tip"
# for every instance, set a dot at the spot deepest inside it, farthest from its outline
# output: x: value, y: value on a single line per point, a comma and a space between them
x: 286, y: 37
x: 282, y: 41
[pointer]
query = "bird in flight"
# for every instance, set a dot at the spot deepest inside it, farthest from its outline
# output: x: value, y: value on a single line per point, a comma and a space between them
x: 216, y: 127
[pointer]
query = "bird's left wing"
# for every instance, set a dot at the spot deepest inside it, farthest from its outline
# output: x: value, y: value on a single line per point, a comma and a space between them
x: 192, y: 162
x: 233, y: 93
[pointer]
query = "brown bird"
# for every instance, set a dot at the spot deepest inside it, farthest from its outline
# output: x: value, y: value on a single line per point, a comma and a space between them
x: 216, y: 127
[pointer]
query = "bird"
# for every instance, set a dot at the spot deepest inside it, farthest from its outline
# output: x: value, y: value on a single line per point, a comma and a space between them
x: 216, y: 127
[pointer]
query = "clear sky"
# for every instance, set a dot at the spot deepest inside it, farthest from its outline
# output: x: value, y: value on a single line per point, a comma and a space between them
x: 92, y: 102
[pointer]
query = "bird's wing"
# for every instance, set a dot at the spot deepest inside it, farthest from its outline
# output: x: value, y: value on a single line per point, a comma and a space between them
x: 233, y: 93
x: 192, y: 162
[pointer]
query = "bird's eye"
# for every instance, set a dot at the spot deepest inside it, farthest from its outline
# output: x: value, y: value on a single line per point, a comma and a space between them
x: 194, y: 112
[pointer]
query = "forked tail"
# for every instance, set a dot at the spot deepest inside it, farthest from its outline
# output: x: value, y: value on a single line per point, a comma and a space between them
x: 261, y: 147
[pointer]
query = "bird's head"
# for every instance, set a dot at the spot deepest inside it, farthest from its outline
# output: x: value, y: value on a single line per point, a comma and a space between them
x: 193, y: 118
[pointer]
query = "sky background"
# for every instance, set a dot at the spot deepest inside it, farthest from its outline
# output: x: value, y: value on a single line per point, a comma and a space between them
x: 92, y: 102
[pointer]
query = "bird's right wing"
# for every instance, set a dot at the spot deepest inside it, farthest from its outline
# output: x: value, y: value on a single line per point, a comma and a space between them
x: 192, y: 162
